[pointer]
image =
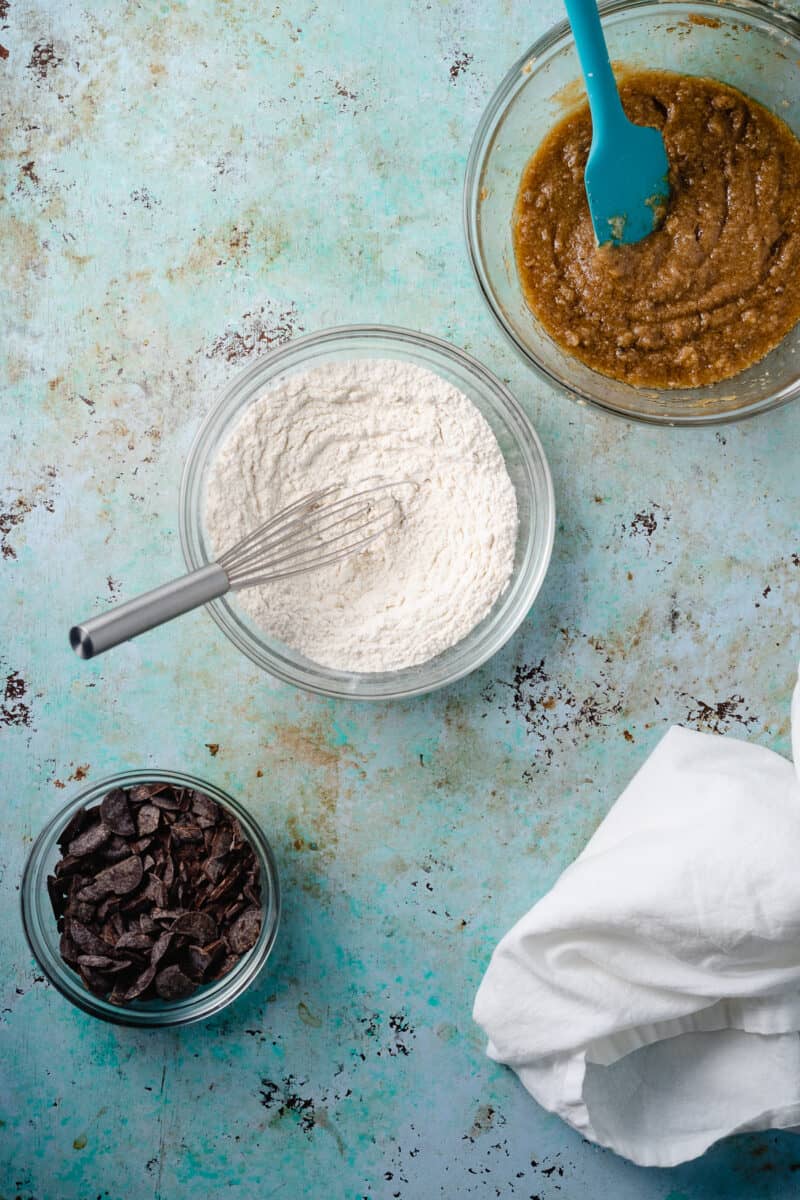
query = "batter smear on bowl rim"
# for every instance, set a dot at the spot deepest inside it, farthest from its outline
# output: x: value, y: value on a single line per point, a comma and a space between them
x: 716, y: 286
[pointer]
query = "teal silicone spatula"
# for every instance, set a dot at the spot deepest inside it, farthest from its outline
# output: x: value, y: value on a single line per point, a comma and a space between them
x: 626, y: 175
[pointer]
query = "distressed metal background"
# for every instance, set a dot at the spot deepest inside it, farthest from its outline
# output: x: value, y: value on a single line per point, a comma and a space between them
x: 184, y: 186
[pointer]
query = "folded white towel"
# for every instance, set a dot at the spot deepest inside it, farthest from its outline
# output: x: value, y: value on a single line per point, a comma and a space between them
x: 652, y: 997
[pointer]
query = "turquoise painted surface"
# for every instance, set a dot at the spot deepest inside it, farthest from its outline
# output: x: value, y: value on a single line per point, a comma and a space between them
x: 185, y: 185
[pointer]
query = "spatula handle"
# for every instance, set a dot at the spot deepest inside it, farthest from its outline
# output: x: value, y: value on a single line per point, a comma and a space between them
x: 601, y: 86
x: 128, y: 620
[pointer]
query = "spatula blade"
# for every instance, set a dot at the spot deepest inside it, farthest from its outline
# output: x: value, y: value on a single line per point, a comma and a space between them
x: 627, y: 183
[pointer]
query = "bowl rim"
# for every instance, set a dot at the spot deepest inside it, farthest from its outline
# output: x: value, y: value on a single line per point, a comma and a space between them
x: 773, y: 14
x: 379, y: 686
x: 199, y: 1005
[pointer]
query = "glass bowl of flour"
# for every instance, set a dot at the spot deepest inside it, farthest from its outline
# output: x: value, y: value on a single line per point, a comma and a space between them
x: 452, y: 579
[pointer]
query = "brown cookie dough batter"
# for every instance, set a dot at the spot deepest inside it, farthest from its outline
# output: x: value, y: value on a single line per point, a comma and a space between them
x: 707, y: 294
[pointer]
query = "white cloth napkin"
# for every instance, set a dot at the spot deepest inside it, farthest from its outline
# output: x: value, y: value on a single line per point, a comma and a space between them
x: 652, y: 997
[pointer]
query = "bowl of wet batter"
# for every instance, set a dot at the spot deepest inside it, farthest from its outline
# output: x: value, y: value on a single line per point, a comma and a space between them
x: 697, y: 323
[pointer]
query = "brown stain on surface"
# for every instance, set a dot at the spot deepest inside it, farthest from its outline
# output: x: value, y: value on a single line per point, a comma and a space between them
x: 249, y: 240
x: 311, y: 822
x: 306, y: 744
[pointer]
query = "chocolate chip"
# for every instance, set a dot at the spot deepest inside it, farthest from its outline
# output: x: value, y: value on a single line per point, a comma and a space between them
x: 198, y: 927
x: 143, y: 791
x: 140, y: 984
x: 116, y: 813
x: 147, y: 819
x: 135, y: 940
x: 160, y: 947
x: 184, y: 832
x: 76, y: 823
x: 120, y: 878
x: 206, y: 810
x: 157, y: 892
x: 90, y: 839
x: 244, y: 931
x: 102, y: 962
x: 172, y: 984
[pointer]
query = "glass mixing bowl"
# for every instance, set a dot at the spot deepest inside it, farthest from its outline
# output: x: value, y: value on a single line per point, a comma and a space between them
x: 746, y: 43
x: 527, y: 467
x: 43, y: 937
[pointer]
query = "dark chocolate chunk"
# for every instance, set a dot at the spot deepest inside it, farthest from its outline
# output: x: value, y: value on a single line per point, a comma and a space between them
x: 198, y: 927
x: 116, y: 813
x: 120, y: 878
x: 147, y: 820
x: 134, y: 939
x: 172, y: 984
x: 90, y: 839
x: 244, y: 931
x: 77, y: 822
x: 185, y: 831
x: 206, y: 810
x: 160, y: 947
x: 140, y: 984
x: 102, y: 962
x: 157, y: 892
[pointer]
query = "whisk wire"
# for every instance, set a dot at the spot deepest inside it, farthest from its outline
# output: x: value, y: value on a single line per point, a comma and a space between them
x: 268, y: 539
x: 296, y: 540
x: 255, y: 537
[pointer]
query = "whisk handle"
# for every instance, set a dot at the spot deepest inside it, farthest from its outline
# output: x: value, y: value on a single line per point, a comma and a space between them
x: 144, y: 612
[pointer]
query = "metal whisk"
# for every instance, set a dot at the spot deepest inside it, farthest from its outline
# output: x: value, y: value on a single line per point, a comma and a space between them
x: 310, y: 533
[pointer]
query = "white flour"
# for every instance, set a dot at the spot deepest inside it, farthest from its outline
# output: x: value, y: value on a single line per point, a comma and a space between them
x: 424, y: 584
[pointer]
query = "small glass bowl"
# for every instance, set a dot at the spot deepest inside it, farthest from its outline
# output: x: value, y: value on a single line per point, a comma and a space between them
x: 527, y: 468
x: 43, y: 937
x: 746, y: 43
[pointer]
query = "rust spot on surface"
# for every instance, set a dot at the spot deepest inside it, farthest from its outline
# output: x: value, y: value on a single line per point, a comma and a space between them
x: 346, y: 96
x: 212, y: 748
x: 14, y: 710
x: 16, y: 511
x: 28, y: 171
x: 626, y: 733
x: 644, y: 523
x: 261, y: 330
x: 699, y: 19
x: 485, y: 1119
x: 80, y: 772
x: 719, y: 716
x: 144, y: 197
x: 44, y: 59
x: 459, y: 64
x: 556, y: 715
x: 3, y: 52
